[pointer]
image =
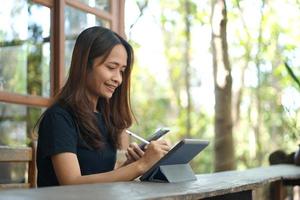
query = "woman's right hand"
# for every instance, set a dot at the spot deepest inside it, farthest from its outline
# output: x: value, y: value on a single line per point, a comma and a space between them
x: 154, y: 152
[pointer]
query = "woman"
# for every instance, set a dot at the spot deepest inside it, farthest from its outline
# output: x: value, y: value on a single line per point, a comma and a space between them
x: 80, y: 132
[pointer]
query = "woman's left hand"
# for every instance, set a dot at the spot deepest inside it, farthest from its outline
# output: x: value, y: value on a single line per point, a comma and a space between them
x: 133, y: 153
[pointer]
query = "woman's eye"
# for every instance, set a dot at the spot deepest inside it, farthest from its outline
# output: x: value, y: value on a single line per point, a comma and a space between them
x: 110, y: 67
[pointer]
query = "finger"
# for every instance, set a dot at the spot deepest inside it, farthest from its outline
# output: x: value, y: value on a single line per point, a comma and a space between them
x: 138, y: 150
x: 165, y: 152
x: 162, y: 153
x: 165, y: 148
x: 133, y: 154
x: 129, y: 157
x: 132, y: 145
x: 164, y: 142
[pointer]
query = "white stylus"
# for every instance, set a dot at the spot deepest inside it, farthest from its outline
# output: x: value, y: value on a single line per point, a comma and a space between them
x: 137, y: 137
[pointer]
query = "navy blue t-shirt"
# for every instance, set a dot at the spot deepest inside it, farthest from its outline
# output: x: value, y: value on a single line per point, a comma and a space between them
x: 58, y: 133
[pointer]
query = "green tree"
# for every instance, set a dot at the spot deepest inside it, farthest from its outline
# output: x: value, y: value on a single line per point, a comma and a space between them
x: 224, y: 145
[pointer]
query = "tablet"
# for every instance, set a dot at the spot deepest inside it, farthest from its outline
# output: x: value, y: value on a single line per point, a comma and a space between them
x: 182, y: 153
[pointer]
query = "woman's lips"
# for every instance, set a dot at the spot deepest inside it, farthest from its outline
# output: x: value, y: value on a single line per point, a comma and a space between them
x: 111, y: 87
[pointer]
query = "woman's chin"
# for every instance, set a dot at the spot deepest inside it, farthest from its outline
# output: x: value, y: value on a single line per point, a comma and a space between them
x: 107, y: 95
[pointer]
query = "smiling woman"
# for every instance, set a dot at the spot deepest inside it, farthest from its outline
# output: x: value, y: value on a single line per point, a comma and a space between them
x: 79, y: 134
x: 36, y: 42
x: 107, y: 74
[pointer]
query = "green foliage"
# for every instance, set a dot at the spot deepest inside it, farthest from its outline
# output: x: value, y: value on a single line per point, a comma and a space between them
x: 266, y: 122
x: 149, y: 100
x: 265, y: 95
x: 159, y: 103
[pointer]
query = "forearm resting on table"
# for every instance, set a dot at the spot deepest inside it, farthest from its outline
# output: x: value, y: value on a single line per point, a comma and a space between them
x: 67, y: 170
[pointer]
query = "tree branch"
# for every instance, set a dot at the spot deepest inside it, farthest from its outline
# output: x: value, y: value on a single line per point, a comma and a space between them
x: 291, y: 73
x: 142, y: 7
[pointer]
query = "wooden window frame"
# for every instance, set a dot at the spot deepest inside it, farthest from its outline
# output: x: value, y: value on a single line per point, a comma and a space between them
x: 115, y: 17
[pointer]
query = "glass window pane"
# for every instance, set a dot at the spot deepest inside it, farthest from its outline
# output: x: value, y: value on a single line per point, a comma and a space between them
x: 12, y: 172
x: 75, y: 22
x: 25, y: 48
x: 16, y: 125
x: 99, y: 4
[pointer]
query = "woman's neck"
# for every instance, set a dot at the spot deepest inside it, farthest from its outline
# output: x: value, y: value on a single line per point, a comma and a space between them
x: 94, y: 100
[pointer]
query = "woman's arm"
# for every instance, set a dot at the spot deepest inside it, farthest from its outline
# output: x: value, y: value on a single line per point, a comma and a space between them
x: 122, y: 160
x: 124, y: 138
x: 67, y: 170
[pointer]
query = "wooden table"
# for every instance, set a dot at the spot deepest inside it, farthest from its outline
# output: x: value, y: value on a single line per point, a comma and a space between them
x: 222, y: 185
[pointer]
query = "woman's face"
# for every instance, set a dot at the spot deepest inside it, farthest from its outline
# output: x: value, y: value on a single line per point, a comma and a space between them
x: 106, y: 76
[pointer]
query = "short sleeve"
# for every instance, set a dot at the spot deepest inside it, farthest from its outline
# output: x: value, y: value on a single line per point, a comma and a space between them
x: 57, y: 134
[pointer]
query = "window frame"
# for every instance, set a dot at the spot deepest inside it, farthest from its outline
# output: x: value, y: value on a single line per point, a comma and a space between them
x: 115, y: 17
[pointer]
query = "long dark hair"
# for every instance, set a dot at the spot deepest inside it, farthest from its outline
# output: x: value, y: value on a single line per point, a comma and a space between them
x: 92, y: 43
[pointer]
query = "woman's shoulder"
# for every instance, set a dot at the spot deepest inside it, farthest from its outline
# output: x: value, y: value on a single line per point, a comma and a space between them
x: 58, y: 109
x: 59, y: 115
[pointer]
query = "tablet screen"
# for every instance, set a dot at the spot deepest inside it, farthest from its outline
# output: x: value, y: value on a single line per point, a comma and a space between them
x: 182, y: 153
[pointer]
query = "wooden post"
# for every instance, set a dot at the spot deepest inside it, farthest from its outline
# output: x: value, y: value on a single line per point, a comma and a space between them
x: 117, y: 11
x: 277, y: 191
x: 58, y: 44
x: 32, y: 171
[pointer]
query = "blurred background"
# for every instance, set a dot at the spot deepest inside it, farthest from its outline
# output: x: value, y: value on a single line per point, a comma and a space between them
x: 223, y: 71
x: 218, y: 71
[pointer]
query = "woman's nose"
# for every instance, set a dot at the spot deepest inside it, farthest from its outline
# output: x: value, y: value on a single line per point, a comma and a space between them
x: 117, y: 77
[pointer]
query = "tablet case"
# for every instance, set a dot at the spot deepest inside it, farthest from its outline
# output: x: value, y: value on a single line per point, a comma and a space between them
x: 172, y: 174
x: 174, y: 167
